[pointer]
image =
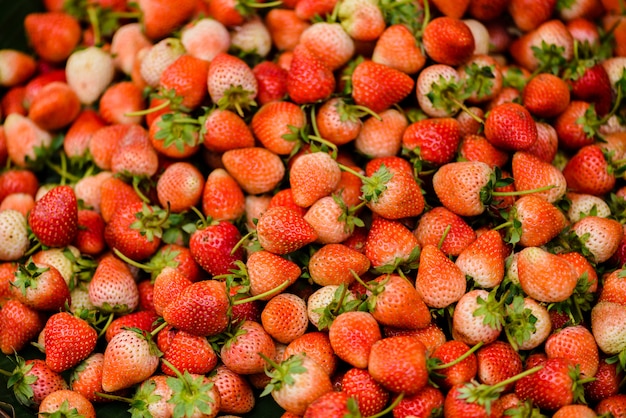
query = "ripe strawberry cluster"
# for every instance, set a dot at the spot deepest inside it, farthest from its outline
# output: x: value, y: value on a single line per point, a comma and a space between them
x: 358, y: 207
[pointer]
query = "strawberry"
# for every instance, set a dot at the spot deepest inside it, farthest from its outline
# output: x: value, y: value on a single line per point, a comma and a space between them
x: 86, y: 378
x: 256, y: 169
x: 136, y: 230
x: 378, y: 86
x: 427, y: 401
x: 271, y: 80
x: 439, y: 223
x: 370, y: 396
x: 474, y: 319
x: 161, y: 18
x: 267, y: 271
x: 53, y: 35
x: 571, y: 127
x: 281, y: 230
x: 510, y: 115
x: 188, y: 353
x: 536, y: 268
x: 143, y: 320
x: 589, y: 171
x: 331, y: 220
x: 397, y: 48
x: 244, y: 352
x: 134, y: 155
x: 200, y: 309
x: 613, y: 289
x: 79, y: 134
x: 12, y: 337
x: 436, y: 89
x: 222, y: 197
x: 66, y: 401
x: 328, y: 404
x: 329, y: 42
x: 180, y: 186
x: 25, y: 141
x: 433, y: 141
x: 231, y: 83
x: 448, y: 40
x: 186, y: 77
x: 498, y: 361
x: 113, y: 192
x: 606, y: 383
x: 167, y: 285
x: 332, y: 265
x: 338, y: 121
x: 575, y: 343
x: 439, y: 281
x: 284, y: 317
x: 120, y: 101
x: 390, y: 245
x: 32, y: 381
x: 363, y: 20
x: 308, y: 9
x: 285, y: 27
x: 557, y: 384
x: 296, y: 382
x: 14, y: 235
x: 16, y: 67
x: 399, y: 364
x: 89, y: 72
x: 600, y: 236
x: 352, y: 335
x: 309, y: 79
x: 40, y: 286
x: 306, y: 190
x: 112, y: 287
x: 68, y: 341
x: 393, y: 301
x: 224, y: 130
x: 547, y: 47
x: 126, y: 43
x: 547, y: 143
x: 129, y: 358
x: 546, y: 95
x: 212, y: 246
x: 317, y: 345
x: 517, y: 325
x: 530, y: 172
x: 382, y: 138
x: 252, y: 37
x: 157, y: 58
x: 236, y: 394
x: 593, y: 86
x: 274, y: 125
x: 614, y: 405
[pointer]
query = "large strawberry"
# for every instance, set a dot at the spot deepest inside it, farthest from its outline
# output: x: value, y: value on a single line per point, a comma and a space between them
x: 378, y: 86
x: 212, y: 246
x: 68, y: 340
x: 54, y: 218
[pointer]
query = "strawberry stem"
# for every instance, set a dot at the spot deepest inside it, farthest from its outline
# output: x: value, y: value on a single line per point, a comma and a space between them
x: 130, y: 260
x: 149, y: 110
x: 458, y: 359
x: 92, y: 14
x: 113, y: 397
x: 524, y: 192
x: 240, y: 242
x: 391, y: 407
x: 358, y: 279
x: 158, y: 329
x: 443, y: 236
x: 5, y: 373
x: 106, y: 326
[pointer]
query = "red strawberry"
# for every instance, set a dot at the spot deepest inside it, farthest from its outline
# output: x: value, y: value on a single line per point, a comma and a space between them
x: 19, y: 325
x: 438, y: 221
x: 284, y: 317
x: 575, y: 343
x: 448, y: 41
x: 497, y: 362
x: 614, y: 405
x: 530, y: 172
x: 546, y: 95
x: 396, y: 47
x: 593, y: 86
x: 212, y: 246
x: 378, y: 86
x: 440, y: 282
x: 68, y: 341
x: 32, y: 381
x: 275, y: 125
x: 484, y: 260
x: 236, y: 395
x: 363, y: 20
x: 368, y: 393
x: 200, y: 309
x: 186, y: 77
x: 307, y: 190
x: 86, y: 378
x: 180, y: 186
x: 281, y: 230
x: 161, y: 18
x: 434, y: 141
x: 188, y: 353
x: 510, y: 126
x: 222, y: 197
x: 332, y: 265
x: 589, y: 171
x: 120, y: 101
x: 607, y: 382
x: 352, y: 335
x: 271, y: 80
x: 40, y: 286
x: 285, y: 27
x: 461, y: 186
x: 309, y: 79
x: 224, y: 130
x: 423, y: 403
x: 53, y: 35
x: 317, y: 345
x: 129, y: 358
x: 570, y: 126
x: 390, y: 244
x: 245, y: 351
x: 329, y: 404
x: 79, y: 134
x: 267, y: 271
x: 16, y: 67
x: 536, y: 269
x: 547, y: 143
x: 143, y: 320
x: 256, y: 169
x: 399, y: 364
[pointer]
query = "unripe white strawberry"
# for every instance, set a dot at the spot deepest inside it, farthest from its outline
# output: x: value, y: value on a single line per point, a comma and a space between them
x: 252, y: 37
x: 543, y: 325
x: 608, y: 325
x: 584, y: 204
x: 320, y: 299
x: 158, y: 58
x: 127, y: 41
x: 469, y: 327
x: 205, y: 38
x: 434, y: 84
x: 79, y: 297
x: 13, y: 235
x: 89, y: 72
x: 480, y: 34
x: 57, y: 258
x: 23, y: 137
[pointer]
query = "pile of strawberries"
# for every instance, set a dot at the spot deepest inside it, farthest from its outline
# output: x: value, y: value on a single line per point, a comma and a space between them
x: 357, y: 207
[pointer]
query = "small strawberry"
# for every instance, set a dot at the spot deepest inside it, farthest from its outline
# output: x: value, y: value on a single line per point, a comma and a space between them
x: 188, y: 353
x: 397, y: 48
x: 352, y: 335
x: 590, y: 171
x: 284, y: 317
x: 499, y: 127
x: 14, y: 235
x: 26, y: 142
x: 390, y: 246
x: 256, y: 169
x: 281, y: 230
x: 40, y: 286
x: 271, y: 80
x: 317, y: 345
x: 143, y: 320
x: 440, y: 223
x: 204, y: 38
x: 32, y: 381
x: 19, y: 324
x: 120, y: 103
x: 536, y: 268
x: 546, y: 95
x: 53, y: 35
x: 440, y: 282
x: 309, y: 79
x: 477, y: 317
x: 16, y: 67
x: 332, y: 265
x: 236, y: 394
x: 370, y: 396
x: 448, y: 41
x: 246, y: 348
x: 213, y: 246
x: 65, y: 402
x: 160, y: 19
x: 497, y: 362
x: 231, y: 83
x: 484, y: 260
x: 113, y: 287
x: 532, y: 173
x: 307, y: 190
x: 267, y: 271
x: 180, y: 187
x: 378, y: 86
x: 222, y: 197
x: 382, y: 138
